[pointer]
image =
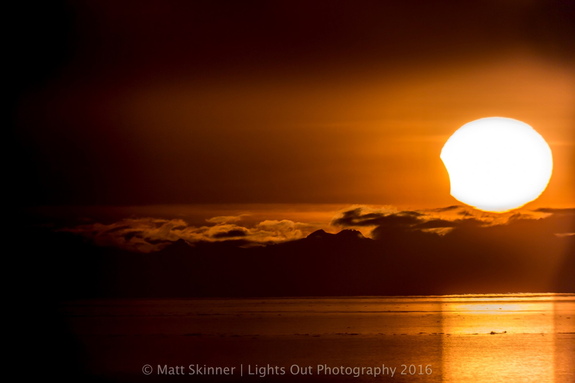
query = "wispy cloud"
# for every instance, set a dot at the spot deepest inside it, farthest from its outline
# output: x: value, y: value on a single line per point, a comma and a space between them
x: 150, y: 234
x: 153, y: 234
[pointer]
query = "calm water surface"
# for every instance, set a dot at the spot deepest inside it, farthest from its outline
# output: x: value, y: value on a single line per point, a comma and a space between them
x: 460, y: 338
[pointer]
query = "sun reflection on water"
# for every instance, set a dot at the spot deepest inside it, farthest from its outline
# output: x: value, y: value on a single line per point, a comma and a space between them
x: 493, y: 339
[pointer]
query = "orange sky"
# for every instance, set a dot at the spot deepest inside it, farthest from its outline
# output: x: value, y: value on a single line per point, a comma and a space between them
x: 153, y: 126
x: 366, y: 139
x: 173, y: 103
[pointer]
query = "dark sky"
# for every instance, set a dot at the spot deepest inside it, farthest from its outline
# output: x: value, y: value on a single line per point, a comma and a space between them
x: 233, y: 102
x: 186, y: 116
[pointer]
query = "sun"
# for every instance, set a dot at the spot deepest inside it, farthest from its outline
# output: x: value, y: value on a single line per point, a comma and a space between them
x: 497, y: 164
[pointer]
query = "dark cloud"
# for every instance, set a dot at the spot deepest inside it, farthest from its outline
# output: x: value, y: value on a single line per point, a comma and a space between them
x: 231, y: 234
x: 407, y: 219
x: 448, y: 208
x: 436, y: 223
x: 359, y: 217
x: 566, y: 211
x: 384, y: 223
x: 390, y: 223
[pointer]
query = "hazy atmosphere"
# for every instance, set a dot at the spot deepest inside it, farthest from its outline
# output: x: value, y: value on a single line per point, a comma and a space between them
x: 227, y: 185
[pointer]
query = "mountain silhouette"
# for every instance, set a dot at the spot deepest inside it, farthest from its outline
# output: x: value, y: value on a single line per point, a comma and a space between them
x: 344, y: 235
x: 398, y: 262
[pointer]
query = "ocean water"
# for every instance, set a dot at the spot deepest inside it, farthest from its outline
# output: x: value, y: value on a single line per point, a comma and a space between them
x: 457, y: 338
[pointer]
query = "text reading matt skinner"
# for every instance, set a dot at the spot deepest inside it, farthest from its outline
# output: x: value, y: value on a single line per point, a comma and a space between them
x: 255, y: 370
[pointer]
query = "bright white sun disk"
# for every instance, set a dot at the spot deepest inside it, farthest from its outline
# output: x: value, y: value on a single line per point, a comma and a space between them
x: 497, y: 164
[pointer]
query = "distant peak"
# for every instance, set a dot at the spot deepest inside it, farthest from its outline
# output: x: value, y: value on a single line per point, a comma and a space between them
x: 181, y: 242
x: 319, y: 234
x: 344, y: 234
x: 349, y: 233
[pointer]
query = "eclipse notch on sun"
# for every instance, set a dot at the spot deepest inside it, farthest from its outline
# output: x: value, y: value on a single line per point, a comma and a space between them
x: 497, y: 164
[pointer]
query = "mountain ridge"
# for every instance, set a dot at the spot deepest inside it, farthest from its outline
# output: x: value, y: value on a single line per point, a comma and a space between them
x: 344, y: 263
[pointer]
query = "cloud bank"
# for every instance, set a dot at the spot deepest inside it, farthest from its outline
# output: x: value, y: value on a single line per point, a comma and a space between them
x: 147, y: 235
x: 374, y: 220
